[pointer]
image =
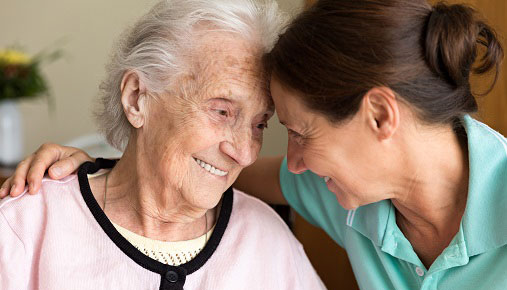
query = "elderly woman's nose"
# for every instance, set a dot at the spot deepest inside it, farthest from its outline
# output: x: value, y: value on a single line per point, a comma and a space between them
x: 244, y: 154
x: 242, y: 150
x: 295, y: 162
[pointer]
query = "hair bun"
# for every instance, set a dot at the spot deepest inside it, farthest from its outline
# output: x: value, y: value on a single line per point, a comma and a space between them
x: 452, y: 35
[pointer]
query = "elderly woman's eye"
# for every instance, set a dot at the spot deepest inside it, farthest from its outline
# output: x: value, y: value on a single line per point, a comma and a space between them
x: 262, y: 126
x: 222, y: 112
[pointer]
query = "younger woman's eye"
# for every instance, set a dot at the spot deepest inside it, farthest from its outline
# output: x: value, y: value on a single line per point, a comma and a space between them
x: 293, y: 133
x: 298, y: 138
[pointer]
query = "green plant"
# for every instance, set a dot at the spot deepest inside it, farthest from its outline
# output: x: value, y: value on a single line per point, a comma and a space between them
x: 20, y: 75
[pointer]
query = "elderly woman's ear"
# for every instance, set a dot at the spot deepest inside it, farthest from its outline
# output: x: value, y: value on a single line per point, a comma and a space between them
x: 133, y: 99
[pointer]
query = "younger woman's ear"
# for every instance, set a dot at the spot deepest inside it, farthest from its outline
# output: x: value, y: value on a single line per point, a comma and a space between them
x: 381, y: 111
x: 133, y: 99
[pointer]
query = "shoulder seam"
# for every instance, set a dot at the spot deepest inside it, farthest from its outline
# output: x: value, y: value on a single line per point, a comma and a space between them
x: 66, y: 180
x: 13, y: 231
x: 5, y: 201
x: 44, y: 180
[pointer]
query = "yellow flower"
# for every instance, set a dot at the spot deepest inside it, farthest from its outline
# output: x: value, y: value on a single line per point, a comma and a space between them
x: 14, y: 57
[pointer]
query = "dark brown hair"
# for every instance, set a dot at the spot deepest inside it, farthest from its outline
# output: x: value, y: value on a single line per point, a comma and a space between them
x: 334, y: 52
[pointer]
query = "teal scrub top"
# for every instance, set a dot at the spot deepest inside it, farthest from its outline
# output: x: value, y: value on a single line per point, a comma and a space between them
x: 381, y: 256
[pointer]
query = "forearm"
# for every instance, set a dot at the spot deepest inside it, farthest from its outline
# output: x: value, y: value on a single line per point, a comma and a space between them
x: 262, y: 180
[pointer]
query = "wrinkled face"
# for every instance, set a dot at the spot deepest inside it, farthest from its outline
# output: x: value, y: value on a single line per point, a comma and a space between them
x: 345, y: 153
x: 204, y: 135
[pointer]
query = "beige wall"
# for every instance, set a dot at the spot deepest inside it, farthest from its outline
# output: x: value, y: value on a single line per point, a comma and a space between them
x: 88, y: 29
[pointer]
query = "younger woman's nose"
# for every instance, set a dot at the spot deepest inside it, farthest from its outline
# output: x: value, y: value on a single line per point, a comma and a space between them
x: 295, y: 162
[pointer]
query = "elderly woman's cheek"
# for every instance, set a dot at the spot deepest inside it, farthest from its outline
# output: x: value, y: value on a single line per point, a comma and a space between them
x: 256, y: 146
x: 218, y: 126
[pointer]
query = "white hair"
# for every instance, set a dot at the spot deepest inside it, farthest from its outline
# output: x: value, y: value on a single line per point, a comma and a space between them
x: 154, y: 45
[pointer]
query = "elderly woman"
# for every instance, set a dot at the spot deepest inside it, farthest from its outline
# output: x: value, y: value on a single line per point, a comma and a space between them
x: 383, y: 153
x: 185, y: 97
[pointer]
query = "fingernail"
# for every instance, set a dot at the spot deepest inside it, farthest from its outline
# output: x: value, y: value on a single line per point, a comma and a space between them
x: 13, y: 187
x: 3, y: 191
x: 30, y: 187
x: 57, y: 171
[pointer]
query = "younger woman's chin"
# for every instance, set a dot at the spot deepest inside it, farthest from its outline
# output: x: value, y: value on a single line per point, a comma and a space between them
x: 346, y: 203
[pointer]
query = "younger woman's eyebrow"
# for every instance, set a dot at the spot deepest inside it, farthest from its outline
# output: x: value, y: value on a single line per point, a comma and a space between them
x: 300, y: 130
x: 288, y: 126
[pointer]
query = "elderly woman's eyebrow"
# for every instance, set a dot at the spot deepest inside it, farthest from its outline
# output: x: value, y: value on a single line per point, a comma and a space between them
x: 223, y: 100
x: 268, y: 110
x: 229, y: 102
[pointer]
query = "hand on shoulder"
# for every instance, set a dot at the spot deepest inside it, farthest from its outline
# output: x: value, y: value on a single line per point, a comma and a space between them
x: 60, y: 161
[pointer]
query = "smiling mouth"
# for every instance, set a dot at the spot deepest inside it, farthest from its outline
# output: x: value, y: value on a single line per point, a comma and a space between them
x: 210, y: 168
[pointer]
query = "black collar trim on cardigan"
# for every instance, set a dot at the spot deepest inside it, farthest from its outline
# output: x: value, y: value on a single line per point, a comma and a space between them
x: 173, y: 277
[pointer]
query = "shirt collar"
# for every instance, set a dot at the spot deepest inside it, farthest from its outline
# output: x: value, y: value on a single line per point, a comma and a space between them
x: 486, y: 210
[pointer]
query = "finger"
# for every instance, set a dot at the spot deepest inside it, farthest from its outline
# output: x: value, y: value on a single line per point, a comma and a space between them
x: 44, y: 157
x: 18, y: 179
x: 36, y: 173
x: 69, y: 165
x: 4, y: 189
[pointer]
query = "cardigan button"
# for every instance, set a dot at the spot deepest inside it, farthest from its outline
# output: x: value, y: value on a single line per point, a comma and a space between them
x: 171, y: 276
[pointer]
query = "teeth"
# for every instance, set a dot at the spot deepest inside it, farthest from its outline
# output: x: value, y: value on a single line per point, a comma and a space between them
x: 210, y: 168
x: 326, y: 178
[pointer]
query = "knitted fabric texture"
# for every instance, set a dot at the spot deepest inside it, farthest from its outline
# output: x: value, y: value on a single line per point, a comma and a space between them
x: 171, y: 253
